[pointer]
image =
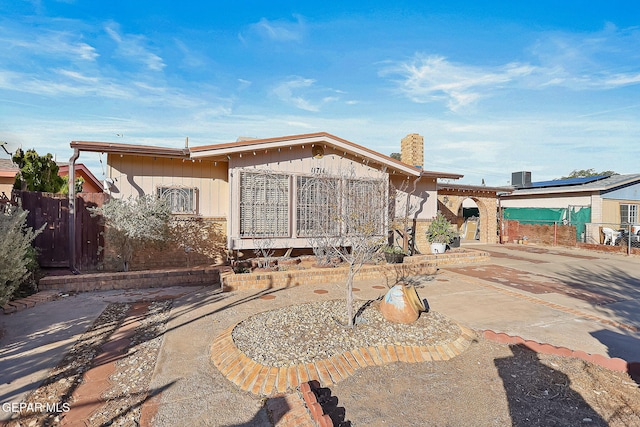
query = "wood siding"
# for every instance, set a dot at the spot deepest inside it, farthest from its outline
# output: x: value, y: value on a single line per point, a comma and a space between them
x: 137, y: 175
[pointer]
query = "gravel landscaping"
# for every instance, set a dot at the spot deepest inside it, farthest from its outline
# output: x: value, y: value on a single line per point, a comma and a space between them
x: 309, y: 332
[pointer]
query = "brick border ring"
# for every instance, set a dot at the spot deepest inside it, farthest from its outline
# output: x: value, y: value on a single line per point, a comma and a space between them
x: 262, y: 380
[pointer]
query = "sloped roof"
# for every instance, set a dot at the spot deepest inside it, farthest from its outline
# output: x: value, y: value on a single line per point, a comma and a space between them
x: 244, y: 145
x: 7, y: 169
x: 597, y: 185
x: 219, y: 152
x: 63, y: 170
x: 568, y: 181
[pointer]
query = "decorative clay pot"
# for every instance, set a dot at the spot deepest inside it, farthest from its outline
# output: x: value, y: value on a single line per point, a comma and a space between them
x: 438, y: 248
x: 401, y: 304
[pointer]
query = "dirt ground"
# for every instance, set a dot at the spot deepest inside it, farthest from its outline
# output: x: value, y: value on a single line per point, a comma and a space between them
x: 489, y: 384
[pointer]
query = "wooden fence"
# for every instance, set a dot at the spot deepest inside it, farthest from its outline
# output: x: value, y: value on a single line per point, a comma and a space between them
x: 52, y: 210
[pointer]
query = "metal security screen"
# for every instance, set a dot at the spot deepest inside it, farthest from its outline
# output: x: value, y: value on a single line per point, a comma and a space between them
x: 365, y: 207
x: 318, y: 206
x: 181, y: 200
x: 264, y: 205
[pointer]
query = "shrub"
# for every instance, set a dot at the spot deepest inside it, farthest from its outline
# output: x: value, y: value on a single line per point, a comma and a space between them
x: 17, y: 256
x: 440, y: 230
x: 133, y: 223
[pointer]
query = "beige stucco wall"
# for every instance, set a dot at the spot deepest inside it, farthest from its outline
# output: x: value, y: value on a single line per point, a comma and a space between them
x: 423, y: 203
x: 611, y: 211
x: 6, y: 185
x: 138, y: 175
x: 546, y: 201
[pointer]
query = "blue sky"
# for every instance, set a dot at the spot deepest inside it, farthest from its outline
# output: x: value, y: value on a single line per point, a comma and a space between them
x: 494, y: 87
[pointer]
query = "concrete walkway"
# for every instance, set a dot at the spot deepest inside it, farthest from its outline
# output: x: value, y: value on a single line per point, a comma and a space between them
x: 37, y: 338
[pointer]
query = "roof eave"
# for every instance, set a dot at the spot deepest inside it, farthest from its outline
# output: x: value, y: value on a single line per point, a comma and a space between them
x: 130, y: 149
x: 467, y: 187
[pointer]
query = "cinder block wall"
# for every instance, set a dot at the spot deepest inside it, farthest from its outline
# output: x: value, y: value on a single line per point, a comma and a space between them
x: 209, y: 276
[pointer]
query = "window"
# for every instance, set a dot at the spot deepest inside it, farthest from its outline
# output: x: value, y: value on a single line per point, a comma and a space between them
x: 318, y: 206
x: 628, y: 214
x: 264, y: 205
x: 366, y: 206
x: 181, y: 200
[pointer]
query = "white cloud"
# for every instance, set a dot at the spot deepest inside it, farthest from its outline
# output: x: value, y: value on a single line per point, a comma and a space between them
x: 622, y: 80
x: 280, y: 31
x: 48, y: 43
x: 599, y: 60
x: 434, y: 78
x: 304, y: 94
x: 243, y: 84
x: 77, y: 76
x: 286, y: 91
x: 133, y: 47
x: 591, y: 61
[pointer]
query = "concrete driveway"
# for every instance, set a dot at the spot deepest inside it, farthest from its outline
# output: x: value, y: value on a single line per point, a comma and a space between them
x: 579, y: 299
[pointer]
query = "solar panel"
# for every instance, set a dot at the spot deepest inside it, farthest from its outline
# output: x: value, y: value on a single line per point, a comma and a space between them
x: 567, y: 182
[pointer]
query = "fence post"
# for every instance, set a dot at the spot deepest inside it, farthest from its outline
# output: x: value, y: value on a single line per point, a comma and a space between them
x: 629, y: 239
x: 72, y: 210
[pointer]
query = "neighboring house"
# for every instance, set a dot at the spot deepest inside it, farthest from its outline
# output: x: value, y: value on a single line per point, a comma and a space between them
x: 255, y: 187
x: 91, y: 184
x: 8, y: 173
x: 590, y: 203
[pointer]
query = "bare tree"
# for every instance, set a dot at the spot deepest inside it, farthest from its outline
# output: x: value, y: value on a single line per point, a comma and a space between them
x: 264, y: 250
x: 404, y: 204
x: 348, y: 216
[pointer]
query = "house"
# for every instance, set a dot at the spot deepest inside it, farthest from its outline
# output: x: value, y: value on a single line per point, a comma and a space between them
x: 259, y: 188
x: 90, y: 183
x: 8, y: 173
x: 590, y: 203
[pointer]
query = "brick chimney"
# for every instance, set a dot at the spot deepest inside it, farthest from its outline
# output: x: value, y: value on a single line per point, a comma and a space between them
x: 412, y: 150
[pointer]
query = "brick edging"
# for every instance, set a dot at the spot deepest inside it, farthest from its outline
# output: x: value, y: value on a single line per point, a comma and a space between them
x: 28, y: 302
x: 313, y: 406
x: 611, y: 363
x: 262, y: 380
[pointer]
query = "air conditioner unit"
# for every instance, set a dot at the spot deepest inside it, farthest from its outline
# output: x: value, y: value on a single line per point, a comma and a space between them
x: 521, y: 179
